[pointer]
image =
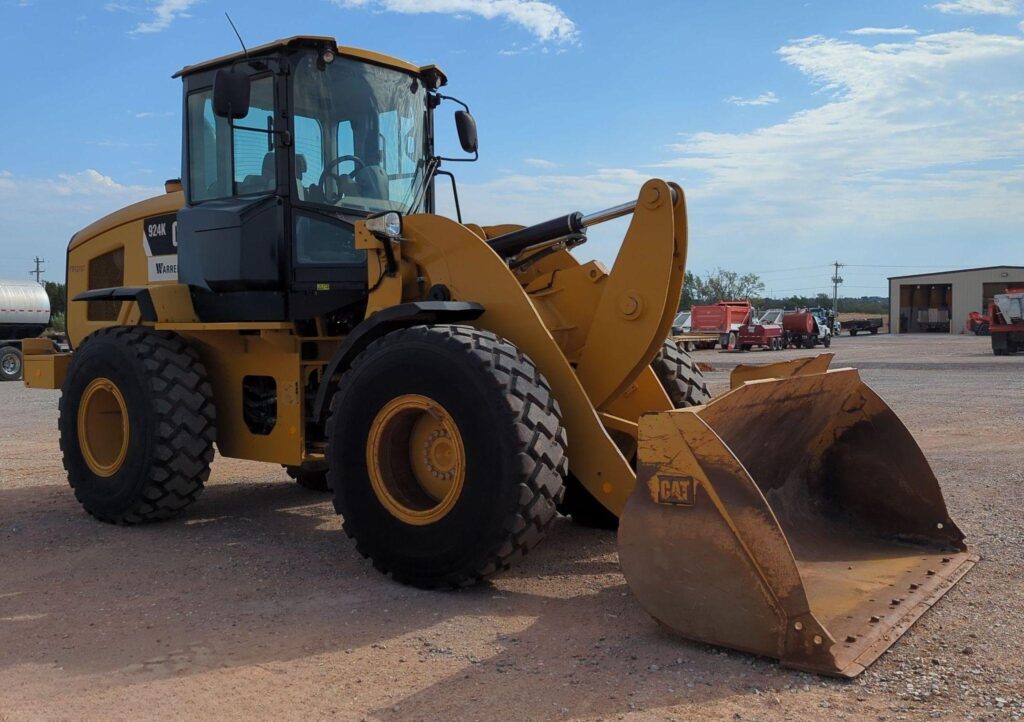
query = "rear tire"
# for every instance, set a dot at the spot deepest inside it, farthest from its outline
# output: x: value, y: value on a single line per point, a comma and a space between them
x: 137, y: 425
x: 981, y: 329
x: 853, y: 332
x: 312, y: 478
x: 500, y: 467
x: 10, y: 363
x: 827, y: 341
x: 684, y: 383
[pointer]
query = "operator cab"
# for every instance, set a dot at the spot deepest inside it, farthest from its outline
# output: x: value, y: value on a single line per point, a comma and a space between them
x: 285, y: 147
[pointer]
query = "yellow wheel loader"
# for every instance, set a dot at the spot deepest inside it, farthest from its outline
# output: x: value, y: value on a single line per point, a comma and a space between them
x: 295, y: 299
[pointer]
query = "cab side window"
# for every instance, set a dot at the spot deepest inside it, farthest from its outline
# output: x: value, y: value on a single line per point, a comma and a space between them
x: 223, y: 162
x: 208, y: 162
x: 253, y: 155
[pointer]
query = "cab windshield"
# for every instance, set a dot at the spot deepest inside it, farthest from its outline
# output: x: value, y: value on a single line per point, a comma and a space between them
x: 360, y: 135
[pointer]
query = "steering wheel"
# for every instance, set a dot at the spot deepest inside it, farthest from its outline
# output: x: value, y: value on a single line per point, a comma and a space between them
x: 341, y: 180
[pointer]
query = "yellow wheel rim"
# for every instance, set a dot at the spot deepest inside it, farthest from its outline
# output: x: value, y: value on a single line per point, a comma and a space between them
x: 103, y: 427
x: 416, y: 459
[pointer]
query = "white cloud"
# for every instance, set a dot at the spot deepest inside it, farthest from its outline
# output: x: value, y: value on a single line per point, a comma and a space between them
x: 30, y: 226
x: 165, y: 12
x: 540, y: 163
x: 912, y: 152
x: 978, y: 7
x: 911, y: 134
x: 762, y: 99
x: 543, y: 19
x: 883, y: 31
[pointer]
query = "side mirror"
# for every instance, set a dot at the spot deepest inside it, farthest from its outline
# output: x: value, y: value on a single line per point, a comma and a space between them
x: 466, y: 126
x: 230, y: 94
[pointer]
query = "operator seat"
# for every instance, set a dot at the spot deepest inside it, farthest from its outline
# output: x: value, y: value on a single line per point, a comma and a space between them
x: 265, y: 182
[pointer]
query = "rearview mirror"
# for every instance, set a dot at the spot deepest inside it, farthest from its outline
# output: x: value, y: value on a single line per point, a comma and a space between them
x: 466, y: 126
x: 230, y: 94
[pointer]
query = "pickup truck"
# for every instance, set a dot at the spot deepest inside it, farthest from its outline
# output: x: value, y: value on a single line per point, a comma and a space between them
x: 862, y: 325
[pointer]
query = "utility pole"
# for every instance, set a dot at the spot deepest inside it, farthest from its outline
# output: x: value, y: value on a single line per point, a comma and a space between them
x: 836, y: 280
x: 38, y: 272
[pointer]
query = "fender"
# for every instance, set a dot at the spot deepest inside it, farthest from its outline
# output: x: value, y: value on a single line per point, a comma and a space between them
x: 380, y: 323
x: 139, y: 294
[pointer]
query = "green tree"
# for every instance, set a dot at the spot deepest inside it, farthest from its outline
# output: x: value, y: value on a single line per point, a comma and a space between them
x: 58, y: 294
x: 691, y: 290
x: 720, y: 285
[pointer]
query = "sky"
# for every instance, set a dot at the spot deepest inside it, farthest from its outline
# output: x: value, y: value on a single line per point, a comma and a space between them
x: 885, y: 134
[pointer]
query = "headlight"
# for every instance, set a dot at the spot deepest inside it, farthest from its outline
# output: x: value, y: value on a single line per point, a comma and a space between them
x: 388, y: 224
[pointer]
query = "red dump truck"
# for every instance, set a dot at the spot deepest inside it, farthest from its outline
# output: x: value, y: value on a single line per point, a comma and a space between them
x: 1006, y: 322
x: 724, y: 318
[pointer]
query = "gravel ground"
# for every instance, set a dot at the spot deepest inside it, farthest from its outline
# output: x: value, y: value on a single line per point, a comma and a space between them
x: 254, y: 604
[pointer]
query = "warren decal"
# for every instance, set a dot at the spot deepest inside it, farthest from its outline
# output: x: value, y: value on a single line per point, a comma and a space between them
x: 161, y: 243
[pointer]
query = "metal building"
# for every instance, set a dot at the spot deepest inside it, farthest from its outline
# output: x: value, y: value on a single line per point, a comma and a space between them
x: 940, y: 302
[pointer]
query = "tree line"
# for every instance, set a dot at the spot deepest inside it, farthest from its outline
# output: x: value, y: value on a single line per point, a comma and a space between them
x: 723, y: 285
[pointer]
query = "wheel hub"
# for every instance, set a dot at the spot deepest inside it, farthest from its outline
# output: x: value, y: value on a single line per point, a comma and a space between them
x: 10, y: 364
x: 103, y: 431
x: 415, y: 459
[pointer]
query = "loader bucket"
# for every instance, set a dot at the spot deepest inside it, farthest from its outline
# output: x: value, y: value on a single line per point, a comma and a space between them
x: 794, y: 518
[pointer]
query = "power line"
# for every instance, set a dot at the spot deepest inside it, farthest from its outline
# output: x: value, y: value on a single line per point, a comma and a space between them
x: 873, y: 265
x: 796, y: 268
x: 836, y: 280
x: 38, y: 272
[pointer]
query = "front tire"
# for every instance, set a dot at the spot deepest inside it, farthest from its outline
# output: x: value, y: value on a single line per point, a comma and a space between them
x: 446, y: 453
x: 137, y: 425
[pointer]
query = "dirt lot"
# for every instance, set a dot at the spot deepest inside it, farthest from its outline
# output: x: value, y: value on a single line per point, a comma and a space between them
x: 254, y: 604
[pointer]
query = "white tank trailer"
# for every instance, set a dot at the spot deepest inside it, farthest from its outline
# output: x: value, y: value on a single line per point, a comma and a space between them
x: 24, y: 313
x: 24, y: 309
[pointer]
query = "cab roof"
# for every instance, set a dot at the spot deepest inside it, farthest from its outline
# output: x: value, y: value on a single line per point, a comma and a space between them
x: 317, y: 41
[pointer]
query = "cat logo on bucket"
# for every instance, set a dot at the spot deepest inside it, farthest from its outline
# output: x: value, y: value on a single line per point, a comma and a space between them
x: 674, y: 490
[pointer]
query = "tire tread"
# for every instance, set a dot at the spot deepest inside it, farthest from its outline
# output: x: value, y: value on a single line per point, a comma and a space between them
x: 183, y: 401
x: 536, y: 420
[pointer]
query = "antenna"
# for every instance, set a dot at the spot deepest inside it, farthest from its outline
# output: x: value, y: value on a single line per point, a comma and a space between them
x: 237, y: 35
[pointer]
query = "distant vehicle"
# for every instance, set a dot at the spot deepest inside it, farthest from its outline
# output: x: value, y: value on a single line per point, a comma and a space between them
x: 691, y: 341
x: 772, y: 316
x: 24, y: 313
x: 681, y: 324
x: 825, y: 316
x: 1007, y: 322
x: 768, y: 336
x: 805, y: 329
x: 863, y: 325
x: 978, y: 323
x: 723, y: 318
